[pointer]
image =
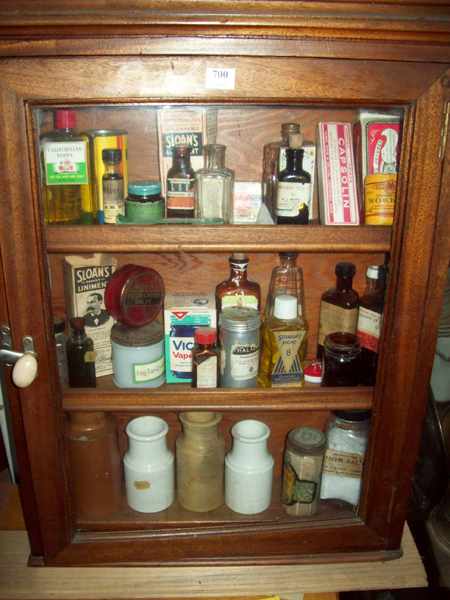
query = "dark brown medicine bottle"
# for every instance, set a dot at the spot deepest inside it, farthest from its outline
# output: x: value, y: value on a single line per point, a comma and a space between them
x: 293, y: 193
x: 180, y: 185
x: 80, y: 356
x: 238, y: 290
x: 338, y: 305
x: 95, y: 464
x: 205, y: 358
x: 370, y: 318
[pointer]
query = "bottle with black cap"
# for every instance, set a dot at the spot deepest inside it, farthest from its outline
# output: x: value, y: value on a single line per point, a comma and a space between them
x: 338, y: 306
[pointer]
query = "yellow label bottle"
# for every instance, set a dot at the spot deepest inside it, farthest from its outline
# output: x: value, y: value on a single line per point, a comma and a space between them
x: 284, y: 338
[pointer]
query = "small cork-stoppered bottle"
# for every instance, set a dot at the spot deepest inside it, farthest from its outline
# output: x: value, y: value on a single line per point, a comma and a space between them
x: 205, y: 358
x: 180, y: 185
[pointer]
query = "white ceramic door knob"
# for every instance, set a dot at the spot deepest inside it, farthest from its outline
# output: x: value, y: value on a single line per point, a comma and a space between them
x: 25, y: 370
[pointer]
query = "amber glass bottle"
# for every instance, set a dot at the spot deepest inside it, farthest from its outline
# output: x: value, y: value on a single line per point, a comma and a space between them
x: 339, y: 305
x: 80, y: 356
x: 180, y: 185
x: 370, y: 318
x: 205, y: 358
x: 95, y: 464
x: 237, y: 290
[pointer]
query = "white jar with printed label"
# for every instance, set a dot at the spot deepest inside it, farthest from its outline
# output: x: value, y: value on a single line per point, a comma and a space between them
x: 138, y: 355
x: 149, y: 465
x: 249, y: 468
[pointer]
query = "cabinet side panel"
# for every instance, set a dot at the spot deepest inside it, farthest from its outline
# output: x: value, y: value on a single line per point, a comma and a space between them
x: 407, y: 351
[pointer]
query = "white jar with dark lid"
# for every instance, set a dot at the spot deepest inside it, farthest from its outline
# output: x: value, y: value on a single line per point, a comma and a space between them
x: 138, y: 355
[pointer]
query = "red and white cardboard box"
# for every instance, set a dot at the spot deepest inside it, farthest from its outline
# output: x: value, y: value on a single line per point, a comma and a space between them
x: 338, y: 192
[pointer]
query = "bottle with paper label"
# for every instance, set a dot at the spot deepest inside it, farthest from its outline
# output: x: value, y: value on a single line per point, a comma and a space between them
x: 284, y: 345
x: 338, y: 306
x: 293, y: 196
x: 238, y: 290
x: 370, y: 319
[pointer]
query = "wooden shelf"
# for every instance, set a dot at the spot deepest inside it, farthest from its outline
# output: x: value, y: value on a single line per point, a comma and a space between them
x: 218, y: 238
x: 182, y: 397
x: 177, y: 517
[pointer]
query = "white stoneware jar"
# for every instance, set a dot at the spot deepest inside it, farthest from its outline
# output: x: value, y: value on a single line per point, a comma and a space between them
x: 249, y: 468
x: 149, y: 465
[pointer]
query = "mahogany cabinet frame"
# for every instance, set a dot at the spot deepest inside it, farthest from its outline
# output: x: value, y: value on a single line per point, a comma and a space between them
x: 281, y: 62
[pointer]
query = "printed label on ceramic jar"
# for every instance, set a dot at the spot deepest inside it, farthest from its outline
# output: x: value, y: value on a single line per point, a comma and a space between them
x: 343, y: 463
x: 148, y: 371
x: 244, y: 359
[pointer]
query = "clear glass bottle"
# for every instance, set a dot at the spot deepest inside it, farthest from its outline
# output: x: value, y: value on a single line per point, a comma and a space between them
x: 64, y: 162
x: 370, y: 317
x: 347, y: 439
x: 59, y: 328
x: 286, y: 278
x: 214, y: 185
x: 200, y: 456
x: 338, y: 305
x: 180, y: 185
x: 113, y: 187
x: 237, y: 290
x: 293, y: 190
x: 272, y: 163
x: 80, y: 356
x: 283, y: 346
x: 205, y: 358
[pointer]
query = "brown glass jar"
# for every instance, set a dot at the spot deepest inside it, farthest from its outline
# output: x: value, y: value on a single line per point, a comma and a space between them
x: 95, y: 465
x: 341, y: 360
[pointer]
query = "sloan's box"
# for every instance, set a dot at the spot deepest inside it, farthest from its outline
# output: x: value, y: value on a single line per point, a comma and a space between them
x: 85, y: 280
x: 183, y: 313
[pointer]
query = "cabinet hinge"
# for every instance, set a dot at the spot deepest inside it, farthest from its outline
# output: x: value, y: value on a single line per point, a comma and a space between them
x: 444, y: 131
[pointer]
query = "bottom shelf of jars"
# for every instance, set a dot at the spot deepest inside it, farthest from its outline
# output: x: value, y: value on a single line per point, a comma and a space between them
x: 330, y: 512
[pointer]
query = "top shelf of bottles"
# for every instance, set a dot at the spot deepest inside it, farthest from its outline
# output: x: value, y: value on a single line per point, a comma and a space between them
x: 217, y: 238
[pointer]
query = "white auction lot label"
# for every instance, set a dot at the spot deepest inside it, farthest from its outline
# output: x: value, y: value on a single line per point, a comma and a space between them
x: 220, y: 78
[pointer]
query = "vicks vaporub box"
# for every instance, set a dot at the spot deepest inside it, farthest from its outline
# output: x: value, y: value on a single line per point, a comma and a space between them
x: 182, y: 314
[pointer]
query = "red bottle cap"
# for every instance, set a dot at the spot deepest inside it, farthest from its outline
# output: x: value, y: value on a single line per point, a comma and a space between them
x: 134, y: 295
x: 65, y: 119
x: 205, y: 335
x: 313, y: 372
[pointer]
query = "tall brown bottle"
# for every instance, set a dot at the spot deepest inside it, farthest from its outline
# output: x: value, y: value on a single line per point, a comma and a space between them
x: 338, y: 305
x: 369, y: 322
x: 237, y: 290
x: 95, y: 465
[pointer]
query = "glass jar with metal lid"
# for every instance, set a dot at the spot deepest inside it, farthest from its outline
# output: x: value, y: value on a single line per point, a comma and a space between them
x: 138, y: 355
x: 341, y: 359
x: 144, y: 203
x: 239, y: 346
x: 302, y: 472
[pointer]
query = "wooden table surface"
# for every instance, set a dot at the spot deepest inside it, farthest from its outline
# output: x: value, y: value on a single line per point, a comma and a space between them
x: 20, y: 582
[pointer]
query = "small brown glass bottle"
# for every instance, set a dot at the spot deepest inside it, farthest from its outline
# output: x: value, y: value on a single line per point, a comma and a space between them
x: 237, y: 290
x: 205, y: 358
x: 339, y: 305
x: 341, y: 360
x: 180, y: 185
x: 370, y: 316
x: 95, y: 464
x: 80, y: 356
x: 113, y: 186
x: 293, y: 190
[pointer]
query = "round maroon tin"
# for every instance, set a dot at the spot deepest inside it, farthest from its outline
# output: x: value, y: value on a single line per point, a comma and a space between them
x: 134, y: 295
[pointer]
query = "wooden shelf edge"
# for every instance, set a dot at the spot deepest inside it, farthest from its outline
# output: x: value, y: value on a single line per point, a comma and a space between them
x: 218, y: 238
x: 184, y: 398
